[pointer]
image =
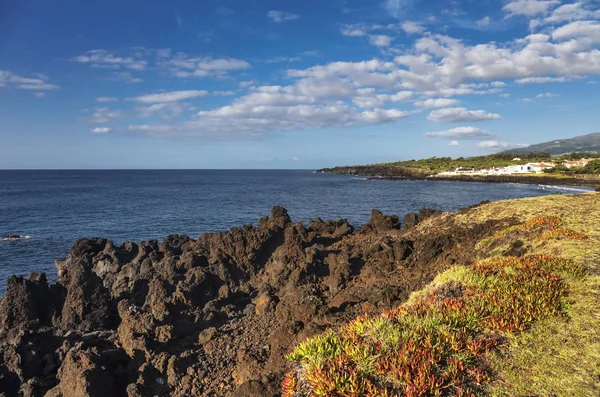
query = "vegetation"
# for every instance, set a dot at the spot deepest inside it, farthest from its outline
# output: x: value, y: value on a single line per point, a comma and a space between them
x: 592, y: 168
x: 440, y: 164
x: 434, y: 346
x: 505, y: 326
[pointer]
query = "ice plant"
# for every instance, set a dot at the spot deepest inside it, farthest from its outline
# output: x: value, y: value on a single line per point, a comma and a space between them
x: 434, y: 346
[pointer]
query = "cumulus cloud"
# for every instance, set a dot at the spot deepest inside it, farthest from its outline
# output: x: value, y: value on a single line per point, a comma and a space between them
x: 460, y: 133
x: 460, y: 115
x: 453, y: 143
x: 581, y: 10
x: 437, y: 103
x: 101, y: 130
x: 166, y: 97
x: 39, y: 83
x: 433, y: 72
x: 281, y: 16
x: 356, y: 30
x: 497, y: 145
x: 589, y: 30
x: 483, y: 22
x: 411, y: 27
x: 380, y: 40
x: 529, y: 8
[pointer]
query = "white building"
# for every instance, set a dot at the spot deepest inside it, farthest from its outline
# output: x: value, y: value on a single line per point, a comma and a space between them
x: 528, y: 168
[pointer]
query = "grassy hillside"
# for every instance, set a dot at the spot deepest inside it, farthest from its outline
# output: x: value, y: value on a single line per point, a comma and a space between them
x: 507, y: 325
x: 440, y: 164
x: 583, y: 143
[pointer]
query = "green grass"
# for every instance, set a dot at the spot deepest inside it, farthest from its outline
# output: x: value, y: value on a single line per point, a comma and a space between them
x: 504, y: 326
x: 439, y: 164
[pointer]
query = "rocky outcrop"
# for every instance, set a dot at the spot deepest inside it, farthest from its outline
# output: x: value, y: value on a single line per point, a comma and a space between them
x: 212, y: 316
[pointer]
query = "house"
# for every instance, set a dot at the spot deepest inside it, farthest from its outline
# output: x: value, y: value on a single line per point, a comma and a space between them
x: 519, y: 169
x: 538, y: 168
x: 516, y: 159
x: 577, y: 163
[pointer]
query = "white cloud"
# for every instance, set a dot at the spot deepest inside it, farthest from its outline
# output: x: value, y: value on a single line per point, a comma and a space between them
x: 106, y: 60
x: 281, y: 16
x: 101, y: 130
x: 182, y: 65
x: 107, y: 99
x: 40, y: 94
x: 410, y: 27
x: 526, y: 100
x: 104, y: 115
x: 356, y: 30
x: 485, y: 21
x: 369, y: 98
x: 248, y: 83
x: 39, y: 83
x: 453, y: 143
x: 574, y: 11
x: 167, y: 110
x: 545, y: 80
x: 529, y: 8
x: 380, y: 40
x: 497, y: 145
x: 589, y: 30
x: 429, y: 73
x: 546, y: 95
x: 166, y: 97
x: 460, y: 133
x: 437, y: 103
x: 458, y: 115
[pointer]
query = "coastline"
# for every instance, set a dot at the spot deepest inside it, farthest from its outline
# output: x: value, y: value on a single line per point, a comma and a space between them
x: 376, y: 172
x: 219, y: 314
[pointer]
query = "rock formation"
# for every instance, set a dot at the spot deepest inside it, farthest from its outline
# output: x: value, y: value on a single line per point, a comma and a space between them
x: 213, y: 316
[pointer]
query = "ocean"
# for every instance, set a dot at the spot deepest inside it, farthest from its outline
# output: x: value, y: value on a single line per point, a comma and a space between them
x: 55, y: 208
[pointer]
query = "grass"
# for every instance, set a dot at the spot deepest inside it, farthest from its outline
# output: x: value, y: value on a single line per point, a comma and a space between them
x: 504, y: 326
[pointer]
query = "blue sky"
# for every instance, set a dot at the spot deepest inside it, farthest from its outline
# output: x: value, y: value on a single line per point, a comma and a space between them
x: 294, y: 84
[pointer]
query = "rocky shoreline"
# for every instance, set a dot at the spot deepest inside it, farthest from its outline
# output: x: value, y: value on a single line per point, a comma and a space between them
x: 376, y: 172
x: 213, y: 316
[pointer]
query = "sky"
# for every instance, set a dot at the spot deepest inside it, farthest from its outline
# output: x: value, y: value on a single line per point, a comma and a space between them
x: 244, y: 84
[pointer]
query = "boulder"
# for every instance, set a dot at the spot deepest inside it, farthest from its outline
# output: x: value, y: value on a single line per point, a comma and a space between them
x: 381, y: 223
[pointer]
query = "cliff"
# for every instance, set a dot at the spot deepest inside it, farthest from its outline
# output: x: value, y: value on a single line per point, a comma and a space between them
x: 217, y: 315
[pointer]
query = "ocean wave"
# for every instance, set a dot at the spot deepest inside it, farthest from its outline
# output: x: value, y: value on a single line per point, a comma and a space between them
x: 566, y: 188
x: 15, y: 237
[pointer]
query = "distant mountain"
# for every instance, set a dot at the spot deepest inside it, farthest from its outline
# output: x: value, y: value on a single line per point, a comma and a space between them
x: 584, y: 143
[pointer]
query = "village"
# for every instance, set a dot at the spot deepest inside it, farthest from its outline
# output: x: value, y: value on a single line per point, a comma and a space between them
x: 529, y: 168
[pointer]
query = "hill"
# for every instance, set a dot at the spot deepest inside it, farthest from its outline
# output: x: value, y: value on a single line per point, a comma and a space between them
x: 583, y: 143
